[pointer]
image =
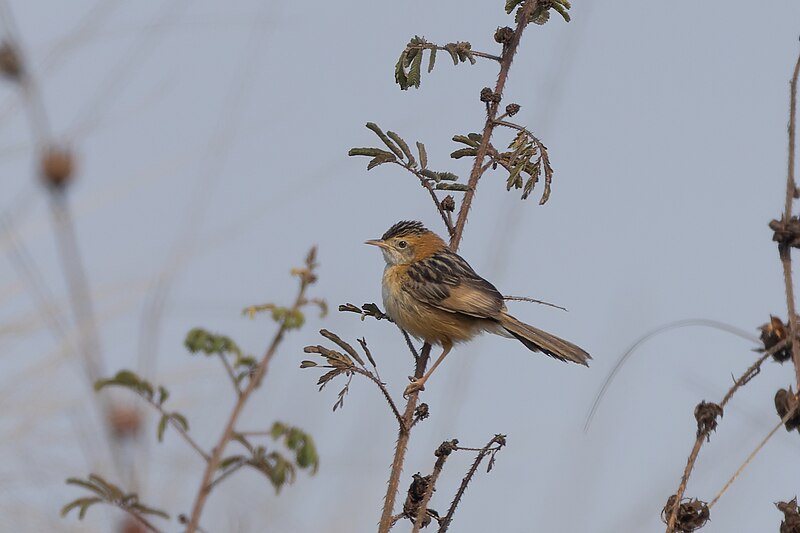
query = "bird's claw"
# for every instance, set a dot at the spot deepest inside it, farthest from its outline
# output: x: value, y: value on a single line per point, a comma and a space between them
x: 416, y: 385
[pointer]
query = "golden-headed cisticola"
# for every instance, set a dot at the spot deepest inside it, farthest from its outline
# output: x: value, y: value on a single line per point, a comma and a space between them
x: 433, y: 294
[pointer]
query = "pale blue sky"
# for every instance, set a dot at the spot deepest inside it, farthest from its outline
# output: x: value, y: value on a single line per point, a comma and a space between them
x: 212, y: 141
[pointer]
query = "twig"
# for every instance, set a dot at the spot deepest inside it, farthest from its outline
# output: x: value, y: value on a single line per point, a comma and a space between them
x: 401, y: 446
x: 444, y: 523
x: 442, y: 453
x: 252, y: 384
x: 231, y: 373
x: 783, y: 248
x: 227, y: 473
x: 179, y: 428
x: 432, y: 46
x: 532, y: 300
x: 750, y: 457
x: 382, y: 386
x: 425, y: 182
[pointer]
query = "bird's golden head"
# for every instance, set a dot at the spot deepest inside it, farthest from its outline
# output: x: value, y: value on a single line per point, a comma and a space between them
x: 406, y: 242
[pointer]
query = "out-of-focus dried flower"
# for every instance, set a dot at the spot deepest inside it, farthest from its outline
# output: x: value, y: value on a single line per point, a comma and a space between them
x: 10, y: 64
x: 125, y: 422
x: 57, y: 166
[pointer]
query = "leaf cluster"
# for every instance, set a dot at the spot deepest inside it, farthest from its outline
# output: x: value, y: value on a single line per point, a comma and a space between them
x: 199, y: 340
x: 400, y: 154
x: 107, y: 492
x: 408, y: 69
x: 272, y: 463
x: 346, y: 363
x: 541, y: 13
x: 527, y: 156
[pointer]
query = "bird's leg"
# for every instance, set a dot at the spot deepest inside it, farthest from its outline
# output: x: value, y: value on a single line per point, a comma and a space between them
x: 419, y: 384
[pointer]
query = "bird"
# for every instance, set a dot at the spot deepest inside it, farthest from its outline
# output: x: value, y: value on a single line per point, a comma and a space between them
x: 433, y: 294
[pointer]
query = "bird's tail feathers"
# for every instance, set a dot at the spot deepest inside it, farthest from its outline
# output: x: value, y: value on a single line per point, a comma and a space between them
x: 541, y: 341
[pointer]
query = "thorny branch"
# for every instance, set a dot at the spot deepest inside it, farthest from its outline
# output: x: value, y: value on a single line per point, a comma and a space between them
x: 307, y: 277
x: 491, y: 115
x: 704, y: 428
x: 784, y: 249
x: 491, y: 448
x: 401, y: 446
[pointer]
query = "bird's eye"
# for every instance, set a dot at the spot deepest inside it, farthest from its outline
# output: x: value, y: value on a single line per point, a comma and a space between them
x: 402, y: 244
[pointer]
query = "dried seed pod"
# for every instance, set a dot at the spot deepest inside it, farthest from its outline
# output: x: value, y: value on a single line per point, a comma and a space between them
x: 787, y: 233
x: 692, y: 514
x: 785, y: 402
x: 448, y: 203
x: 416, y: 493
x: 791, y: 516
x: 706, y: 415
x: 57, y: 166
x: 512, y: 109
x: 772, y: 333
x: 504, y: 35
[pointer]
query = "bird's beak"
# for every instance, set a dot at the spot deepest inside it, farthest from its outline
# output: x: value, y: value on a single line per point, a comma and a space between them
x: 377, y: 242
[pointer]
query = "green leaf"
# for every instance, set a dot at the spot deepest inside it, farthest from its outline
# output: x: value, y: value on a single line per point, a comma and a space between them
x: 464, y: 152
x: 180, y: 420
x: 400, y: 73
x: 466, y: 140
x: 381, y: 160
x: 511, y: 4
x: 123, y: 378
x: 423, y: 155
x: 149, y: 510
x: 432, y: 60
x: 82, y: 503
x: 163, y: 394
x: 414, y: 72
x: 162, y: 426
x: 113, y: 492
x: 451, y: 49
x: 87, y: 485
x: 229, y: 461
x: 382, y: 136
x: 404, y: 147
x: 369, y: 152
x: 451, y: 187
x: 447, y: 176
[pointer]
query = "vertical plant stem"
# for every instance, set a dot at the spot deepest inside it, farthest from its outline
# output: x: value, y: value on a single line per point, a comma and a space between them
x: 227, y: 434
x: 784, y: 249
x: 401, y: 446
x: 477, y: 170
x: 489, y: 125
